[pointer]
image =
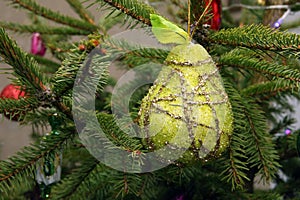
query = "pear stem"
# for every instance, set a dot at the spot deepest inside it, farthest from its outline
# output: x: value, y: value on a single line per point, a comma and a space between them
x: 189, y: 19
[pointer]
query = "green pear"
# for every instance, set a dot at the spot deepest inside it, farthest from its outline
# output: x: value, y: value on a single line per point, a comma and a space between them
x: 187, y: 106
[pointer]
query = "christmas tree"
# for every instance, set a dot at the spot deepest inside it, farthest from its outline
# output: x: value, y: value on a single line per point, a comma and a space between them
x: 198, y: 113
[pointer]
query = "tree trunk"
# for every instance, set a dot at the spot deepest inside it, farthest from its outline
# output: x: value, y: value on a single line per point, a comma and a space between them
x: 272, y: 15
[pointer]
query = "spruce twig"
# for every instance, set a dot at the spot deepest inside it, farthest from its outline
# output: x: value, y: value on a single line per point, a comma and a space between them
x: 246, y: 60
x: 23, y: 163
x: 266, y: 90
x: 258, y: 37
x: 77, y: 181
x: 133, y: 8
x: 236, y: 167
x: 261, y: 151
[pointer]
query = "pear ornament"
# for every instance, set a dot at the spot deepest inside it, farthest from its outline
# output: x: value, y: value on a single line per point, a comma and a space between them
x: 187, y: 106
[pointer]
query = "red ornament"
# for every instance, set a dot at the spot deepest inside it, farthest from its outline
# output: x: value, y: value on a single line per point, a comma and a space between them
x: 12, y: 92
x: 216, y: 10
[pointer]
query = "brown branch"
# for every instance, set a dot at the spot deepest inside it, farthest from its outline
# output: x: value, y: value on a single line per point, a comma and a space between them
x: 128, y: 12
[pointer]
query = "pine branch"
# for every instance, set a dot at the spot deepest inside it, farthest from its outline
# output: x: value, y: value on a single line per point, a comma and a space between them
x: 24, y: 66
x: 113, y: 132
x: 65, y: 76
x: 81, y: 11
x: 144, y: 55
x: 33, y: 7
x: 246, y: 60
x: 15, y: 170
x: 63, y: 80
x: 21, y: 192
x: 93, y: 176
x: 42, y: 29
x: 19, y: 107
x: 258, y: 37
x: 183, y: 179
x: 125, y: 184
x: 22, y: 104
x: 87, y: 182
x: 235, y: 169
x: 269, y: 89
x: 260, y: 150
x: 38, y: 118
x: 133, y: 8
x: 150, y: 188
x: 79, y: 181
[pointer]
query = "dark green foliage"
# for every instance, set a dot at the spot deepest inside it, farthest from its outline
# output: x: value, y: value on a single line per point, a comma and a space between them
x: 248, y: 60
x: 260, y: 151
x: 20, y: 167
x: 259, y: 66
x: 235, y: 170
x: 258, y: 37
